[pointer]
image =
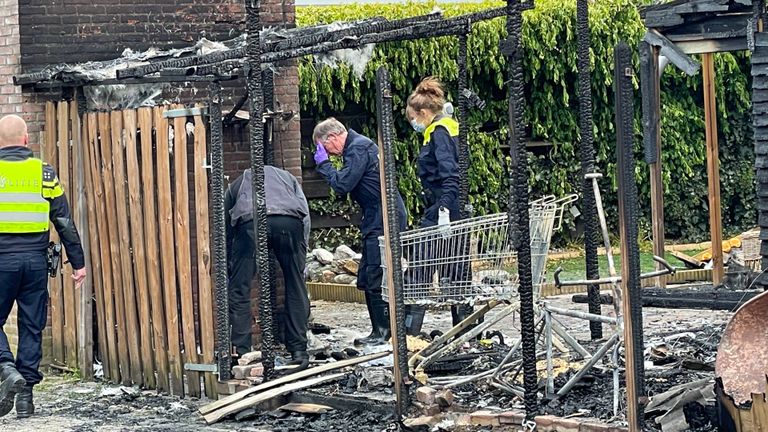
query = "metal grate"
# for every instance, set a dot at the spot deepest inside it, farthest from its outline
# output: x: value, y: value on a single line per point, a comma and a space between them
x: 473, y: 259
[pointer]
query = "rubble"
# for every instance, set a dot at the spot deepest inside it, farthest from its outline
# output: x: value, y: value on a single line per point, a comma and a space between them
x: 249, y: 358
x: 426, y: 395
x: 340, y: 266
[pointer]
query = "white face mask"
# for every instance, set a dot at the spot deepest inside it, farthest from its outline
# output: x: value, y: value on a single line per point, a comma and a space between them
x: 418, y: 127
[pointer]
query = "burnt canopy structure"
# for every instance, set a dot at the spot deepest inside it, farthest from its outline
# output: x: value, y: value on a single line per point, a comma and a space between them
x: 677, y: 30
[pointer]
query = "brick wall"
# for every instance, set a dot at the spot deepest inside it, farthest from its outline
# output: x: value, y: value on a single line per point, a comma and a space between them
x: 74, y: 31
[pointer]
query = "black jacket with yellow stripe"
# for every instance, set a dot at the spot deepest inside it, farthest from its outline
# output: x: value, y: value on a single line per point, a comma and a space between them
x: 60, y: 216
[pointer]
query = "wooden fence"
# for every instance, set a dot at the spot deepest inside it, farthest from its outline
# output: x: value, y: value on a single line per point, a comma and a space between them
x: 142, y: 212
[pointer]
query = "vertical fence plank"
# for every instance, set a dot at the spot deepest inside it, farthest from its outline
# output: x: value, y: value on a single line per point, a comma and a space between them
x: 204, y: 253
x: 94, y: 256
x: 183, y: 252
x: 57, y: 300
x: 68, y: 286
x: 83, y: 296
x: 165, y: 214
x: 111, y: 366
x: 152, y: 252
x: 128, y: 292
x: 138, y: 247
x: 114, y: 247
x: 50, y: 156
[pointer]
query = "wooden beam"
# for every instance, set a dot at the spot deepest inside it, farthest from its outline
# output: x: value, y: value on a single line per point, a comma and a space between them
x: 83, y: 296
x: 713, y: 168
x: 652, y: 139
x: 269, y: 394
x: 671, y: 51
x: 204, y: 280
x: 115, y: 297
x: 713, y: 45
x: 168, y: 256
x: 183, y: 252
x: 139, y: 250
x: 151, y: 239
x: 106, y: 297
x: 93, y: 255
x: 221, y: 403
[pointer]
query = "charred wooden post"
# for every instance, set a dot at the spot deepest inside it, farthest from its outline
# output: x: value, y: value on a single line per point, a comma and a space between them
x: 393, y: 251
x: 464, y: 205
x: 587, y: 163
x: 630, y: 263
x: 518, y: 201
x: 223, y: 336
x: 255, y: 91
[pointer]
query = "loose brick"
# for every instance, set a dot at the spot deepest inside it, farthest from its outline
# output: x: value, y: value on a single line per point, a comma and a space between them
x: 566, y: 425
x: 485, y: 418
x: 444, y: 398
x: 544, y: 423
x: 426, y: 395
x: 512, y: 418
x: 248, y: 358
x: 594, y: 427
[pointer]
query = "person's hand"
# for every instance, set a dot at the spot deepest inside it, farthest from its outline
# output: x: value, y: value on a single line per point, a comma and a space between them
x: 321, y: 155
x: 79, y: 277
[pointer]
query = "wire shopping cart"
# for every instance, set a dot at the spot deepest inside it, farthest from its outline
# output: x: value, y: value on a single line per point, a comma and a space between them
x: 472, y: 260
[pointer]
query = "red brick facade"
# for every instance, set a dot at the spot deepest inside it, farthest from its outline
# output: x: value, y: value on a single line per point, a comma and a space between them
x: 37, y: 33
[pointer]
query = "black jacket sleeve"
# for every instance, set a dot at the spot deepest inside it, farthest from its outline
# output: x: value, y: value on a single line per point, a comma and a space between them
x: 347, y: 178
x: 61, y: 217
x: 447, y: 156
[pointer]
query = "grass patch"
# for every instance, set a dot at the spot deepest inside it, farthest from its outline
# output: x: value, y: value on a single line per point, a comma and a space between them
x: 574, y: 268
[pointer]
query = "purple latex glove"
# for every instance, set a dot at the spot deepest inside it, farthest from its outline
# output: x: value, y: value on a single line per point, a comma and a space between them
x: 321, y: 155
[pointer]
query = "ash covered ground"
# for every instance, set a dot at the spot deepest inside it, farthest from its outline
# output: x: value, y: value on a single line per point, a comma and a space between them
x: 63, y: 404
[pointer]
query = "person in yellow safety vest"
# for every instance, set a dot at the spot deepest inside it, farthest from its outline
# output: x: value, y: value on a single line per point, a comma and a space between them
x: 30, y: 197
x: 438, y: 170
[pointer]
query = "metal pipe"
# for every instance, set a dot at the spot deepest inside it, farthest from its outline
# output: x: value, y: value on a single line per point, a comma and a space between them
x: 264, y: 293
x: 570, y: 340
x: 223, y: 335
x: 598, y: 355
x: 582, y: 315
x: 548, y: 331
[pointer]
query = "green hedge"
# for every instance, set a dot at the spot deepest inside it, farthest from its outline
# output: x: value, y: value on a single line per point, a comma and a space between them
x: 551, y: 109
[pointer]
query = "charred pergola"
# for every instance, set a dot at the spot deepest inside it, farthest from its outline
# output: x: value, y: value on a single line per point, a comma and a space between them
x: 251, y: 57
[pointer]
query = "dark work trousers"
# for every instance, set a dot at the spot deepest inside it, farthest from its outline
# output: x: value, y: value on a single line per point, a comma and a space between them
x: 370, y: 272
x: 286, y: 240
x: 24, y: 280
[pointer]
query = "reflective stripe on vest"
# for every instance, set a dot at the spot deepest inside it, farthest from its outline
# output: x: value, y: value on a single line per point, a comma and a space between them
x: 447, y: 122
x: 22, y: 206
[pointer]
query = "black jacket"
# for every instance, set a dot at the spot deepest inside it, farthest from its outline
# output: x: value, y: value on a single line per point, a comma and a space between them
x: 438, y: 169
x: 60, y: 215
x: 359, y: 177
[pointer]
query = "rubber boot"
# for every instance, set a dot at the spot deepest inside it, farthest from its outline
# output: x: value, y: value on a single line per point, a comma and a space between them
x: 366, y: 339
x: 379, y: 312
x: 414, y: 319
x: 24, y: 405
x: 11, y: 383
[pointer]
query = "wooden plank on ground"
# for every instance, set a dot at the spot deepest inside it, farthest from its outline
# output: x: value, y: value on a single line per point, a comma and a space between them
x: 137, y: 245
x: 168, y: 256
x: 205, y: 284
x: 84, y: 296
x: 127, y: 288
x: 713, y: 168
x: 114, y: 247
x: 58, y: 304
x: 269, y: 394
x: 50, y: 156
x: 93, y: 255
x: 231, y: 399
x: 152, y: 254
x: 183, y: 252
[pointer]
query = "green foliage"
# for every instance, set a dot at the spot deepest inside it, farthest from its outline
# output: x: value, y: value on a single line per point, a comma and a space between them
x: 550, y: 74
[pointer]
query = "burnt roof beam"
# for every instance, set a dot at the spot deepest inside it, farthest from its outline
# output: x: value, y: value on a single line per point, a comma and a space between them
x: 672, y: 52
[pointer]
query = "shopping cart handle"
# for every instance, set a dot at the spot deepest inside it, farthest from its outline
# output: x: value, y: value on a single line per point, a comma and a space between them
x: 559, y: 270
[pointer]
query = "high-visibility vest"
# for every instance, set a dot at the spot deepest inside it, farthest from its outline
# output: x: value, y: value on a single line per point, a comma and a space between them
x: 23, y: 209
x: 447, y: 122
